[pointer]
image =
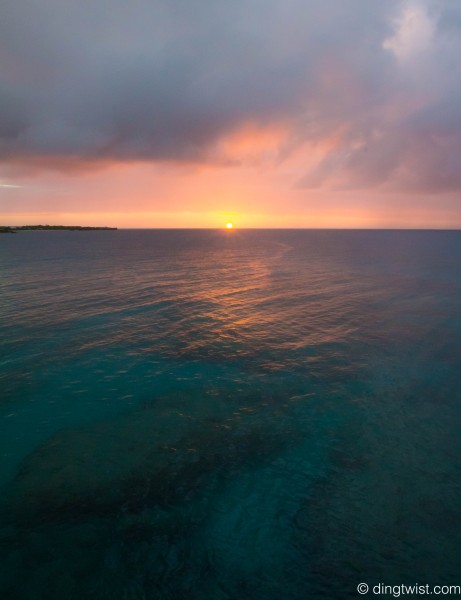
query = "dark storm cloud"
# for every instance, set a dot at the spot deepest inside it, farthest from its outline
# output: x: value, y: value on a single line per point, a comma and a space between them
x: 88, y: 82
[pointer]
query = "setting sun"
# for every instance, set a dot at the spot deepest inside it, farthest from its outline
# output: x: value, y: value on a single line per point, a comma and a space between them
x: 229, y: 225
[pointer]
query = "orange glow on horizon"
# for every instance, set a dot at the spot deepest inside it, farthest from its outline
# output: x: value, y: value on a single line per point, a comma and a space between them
x: 162, y: 196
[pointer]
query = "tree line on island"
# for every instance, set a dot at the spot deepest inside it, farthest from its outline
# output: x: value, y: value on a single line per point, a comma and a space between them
x: 14, y: 229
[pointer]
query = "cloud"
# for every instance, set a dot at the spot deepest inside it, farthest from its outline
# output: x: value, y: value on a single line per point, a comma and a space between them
x: 84, y: 84
x: 411, y: 139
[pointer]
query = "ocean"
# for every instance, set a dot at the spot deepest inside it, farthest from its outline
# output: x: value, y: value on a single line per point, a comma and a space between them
x: 214, y: 415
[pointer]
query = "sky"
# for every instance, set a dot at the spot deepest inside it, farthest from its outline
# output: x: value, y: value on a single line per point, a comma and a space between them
x: 265, y: 113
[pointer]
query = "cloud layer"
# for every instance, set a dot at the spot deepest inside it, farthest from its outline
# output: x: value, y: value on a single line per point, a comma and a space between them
x: 83, y: 83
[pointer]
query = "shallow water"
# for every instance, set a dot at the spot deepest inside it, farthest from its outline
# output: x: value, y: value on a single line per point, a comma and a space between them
x: 214, y: 415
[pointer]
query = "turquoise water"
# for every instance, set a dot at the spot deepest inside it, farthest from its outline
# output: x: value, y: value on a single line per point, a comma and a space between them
x: 228, y: 415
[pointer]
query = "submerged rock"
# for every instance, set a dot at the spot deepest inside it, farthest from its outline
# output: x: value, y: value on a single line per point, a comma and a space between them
x: 140, y: 460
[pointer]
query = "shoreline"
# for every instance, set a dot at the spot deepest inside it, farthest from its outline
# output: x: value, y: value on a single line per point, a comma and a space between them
x: 14, y: 229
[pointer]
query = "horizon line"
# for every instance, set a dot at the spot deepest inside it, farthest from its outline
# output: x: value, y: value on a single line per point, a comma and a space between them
x: 115, y: 228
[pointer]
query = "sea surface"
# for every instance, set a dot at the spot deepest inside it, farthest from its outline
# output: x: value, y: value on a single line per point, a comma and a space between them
x: 228, y: 415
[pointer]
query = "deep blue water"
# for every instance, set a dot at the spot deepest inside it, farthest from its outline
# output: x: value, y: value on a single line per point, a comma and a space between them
x: 212, y: 415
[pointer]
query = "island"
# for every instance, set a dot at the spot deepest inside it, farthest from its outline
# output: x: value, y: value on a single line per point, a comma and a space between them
x: 14, y: 228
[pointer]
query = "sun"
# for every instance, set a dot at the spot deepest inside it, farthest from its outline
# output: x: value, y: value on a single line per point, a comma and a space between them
x: 229, y: 225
